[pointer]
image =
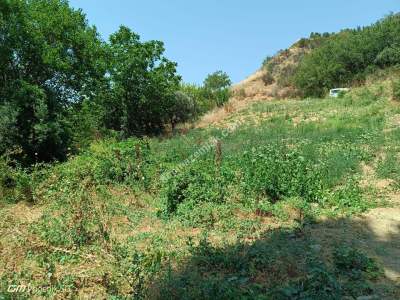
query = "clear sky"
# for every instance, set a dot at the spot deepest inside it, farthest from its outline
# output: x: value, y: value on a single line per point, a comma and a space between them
x: 203, y: 36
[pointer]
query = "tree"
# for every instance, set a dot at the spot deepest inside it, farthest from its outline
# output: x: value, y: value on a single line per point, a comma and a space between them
x: 49, y: 63
x: 216, y: 87
x: 143, y: 84
x: 218, y: 80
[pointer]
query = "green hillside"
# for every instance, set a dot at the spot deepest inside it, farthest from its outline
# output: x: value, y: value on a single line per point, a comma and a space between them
x: 120, y: 181
x: 177, y: 218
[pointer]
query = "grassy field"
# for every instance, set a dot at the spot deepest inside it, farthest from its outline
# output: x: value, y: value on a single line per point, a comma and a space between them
x: 275, y: 202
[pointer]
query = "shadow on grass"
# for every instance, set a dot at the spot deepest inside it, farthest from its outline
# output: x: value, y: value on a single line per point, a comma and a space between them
x: 334, y: 259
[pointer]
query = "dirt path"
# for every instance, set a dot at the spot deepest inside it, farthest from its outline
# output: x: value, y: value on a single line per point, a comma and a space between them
x: 376, y: 232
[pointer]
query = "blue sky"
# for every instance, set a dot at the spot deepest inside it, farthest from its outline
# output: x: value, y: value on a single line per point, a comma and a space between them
x: 235, y: 36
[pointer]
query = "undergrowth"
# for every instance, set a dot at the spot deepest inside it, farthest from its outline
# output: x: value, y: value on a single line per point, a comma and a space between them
x: 136, y: 210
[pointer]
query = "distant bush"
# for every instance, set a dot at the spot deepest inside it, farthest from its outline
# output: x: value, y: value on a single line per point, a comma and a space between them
x: 185, y: 108
x: 389, y: 56
x: 266, y: 61
x: 267, y: 78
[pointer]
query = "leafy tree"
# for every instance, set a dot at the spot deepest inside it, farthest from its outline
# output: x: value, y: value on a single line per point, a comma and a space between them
x: 143, y: 84
x: 50, y: 60
x: 217, y: 81
x: 388, y: 57
x: 216, y: 87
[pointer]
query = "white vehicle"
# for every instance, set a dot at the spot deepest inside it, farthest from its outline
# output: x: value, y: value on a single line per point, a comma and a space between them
x: 336, y: 92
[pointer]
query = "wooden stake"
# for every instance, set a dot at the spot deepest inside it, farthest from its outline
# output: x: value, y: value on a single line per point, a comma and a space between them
x: 218, y: 154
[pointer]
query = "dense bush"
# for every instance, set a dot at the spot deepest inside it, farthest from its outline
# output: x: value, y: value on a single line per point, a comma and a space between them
x: 200, y: 182
x: 277, y: 171
x: 185, y: 108
x: 15, y: 184
x: 348, y: 56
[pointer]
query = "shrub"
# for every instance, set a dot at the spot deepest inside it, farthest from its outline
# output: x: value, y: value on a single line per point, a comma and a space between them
x: 183, y: 109
x: 277, y: 171
x: 15, y: 183
x: 198, y: 184
x: 354, y: 263
x: 347, y: 199
x: 84, y: 219
x: 389, y: 56
x: 267, y: 78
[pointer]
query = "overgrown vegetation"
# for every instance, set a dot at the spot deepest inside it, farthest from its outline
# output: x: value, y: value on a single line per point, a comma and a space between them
x: 312, y: 66
x: 240, y: 211
x: 205, y: 229
x: 62, y: 86
x: 349, y: 56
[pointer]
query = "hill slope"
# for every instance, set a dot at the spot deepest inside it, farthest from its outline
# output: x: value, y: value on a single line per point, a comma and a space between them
x: 301, y: 194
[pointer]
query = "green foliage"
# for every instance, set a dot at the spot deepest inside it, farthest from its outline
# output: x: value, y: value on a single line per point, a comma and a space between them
x: 233, y: 271
x: 355, y: 264
x: 196, y: 94
x: 199, y: 183
x: 63, y: 87
x: 216, y: 87
x: 349, y: 198
x: 86, y: 119
x: 144, y: 84
x: 15, y: 183
x: 348, y: 56
x: 84, y: 221
x: 390, y: 56
x: 102, y: 205
x: 144, y: 268
x: 319, y: 284
x: 217, y: 81
x: 277, y: 171
x: 388, y: 166
x: 185, y: 108
x: 48, y: 61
